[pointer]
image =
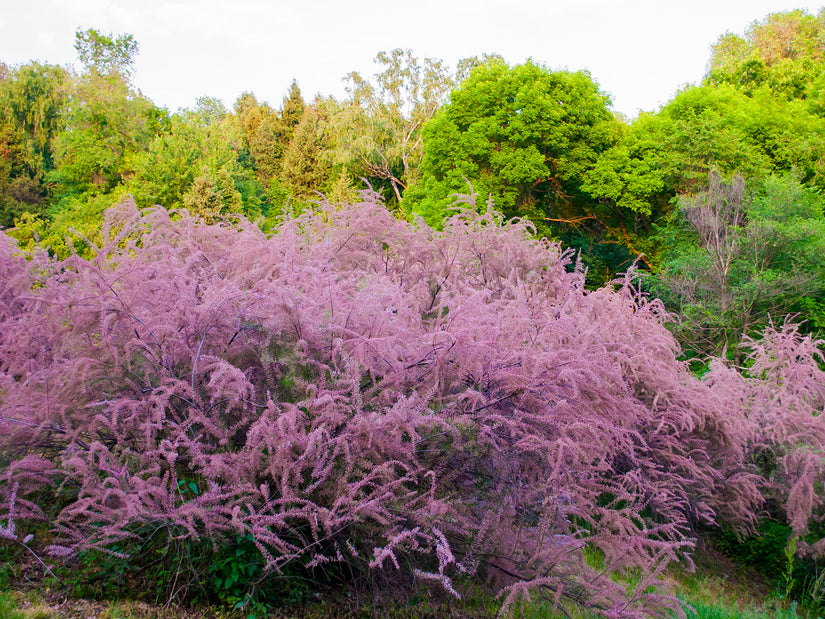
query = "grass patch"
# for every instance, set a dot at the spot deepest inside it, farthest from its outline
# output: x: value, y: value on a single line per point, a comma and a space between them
x: 720, y: 588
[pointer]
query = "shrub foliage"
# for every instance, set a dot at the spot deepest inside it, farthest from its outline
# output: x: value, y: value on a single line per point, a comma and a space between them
x: 366, y: 392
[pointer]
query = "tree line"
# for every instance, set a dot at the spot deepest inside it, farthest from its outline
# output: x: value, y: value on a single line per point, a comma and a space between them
x: 717, y: 196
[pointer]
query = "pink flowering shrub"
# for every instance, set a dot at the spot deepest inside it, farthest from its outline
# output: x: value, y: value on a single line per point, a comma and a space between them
x: 782, y: 397
x: 363, y: 391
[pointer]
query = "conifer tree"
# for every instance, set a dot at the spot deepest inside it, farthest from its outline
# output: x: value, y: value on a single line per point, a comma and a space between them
x: 292, y: 111
x: 306, y: 166
x: 213, y: 193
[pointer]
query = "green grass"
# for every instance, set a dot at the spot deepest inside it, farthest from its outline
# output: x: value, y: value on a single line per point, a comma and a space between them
x: 721, y: 589
x: 718, y: 589
x: 16, y: 606
x: 725, y: 611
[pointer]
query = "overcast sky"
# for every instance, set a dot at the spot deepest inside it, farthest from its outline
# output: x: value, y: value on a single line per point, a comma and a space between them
x: 639, y: 51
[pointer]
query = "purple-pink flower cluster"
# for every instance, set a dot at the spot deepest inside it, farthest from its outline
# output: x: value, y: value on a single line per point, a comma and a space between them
x: 355, y: 388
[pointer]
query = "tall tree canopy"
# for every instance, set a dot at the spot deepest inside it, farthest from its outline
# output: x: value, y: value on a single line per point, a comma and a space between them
x: 703, y: 129
x: 105, y: 54
x: 524, y: 135
x: 785, y: 52
x: 380, y: 123
x: 32, y: 98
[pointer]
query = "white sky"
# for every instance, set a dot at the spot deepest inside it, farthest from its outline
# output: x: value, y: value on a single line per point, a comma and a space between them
x: 639, y: 51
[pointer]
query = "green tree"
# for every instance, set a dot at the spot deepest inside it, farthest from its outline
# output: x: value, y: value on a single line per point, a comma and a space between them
x: 785, y: 52
x: 210, y: 110
x: 758, y: 113
x: 715, y: 127
x: 523, y: 135
x: 165, y: 171
x: 307, y: 165
x: 106, y: 120
x: 103, y: 125
x: 32, y: 100
x: 213, y: 193
x: 737, y: 257
x: 629, y: 191
x: 710, y: 127
x: 105, y: 54
x: 266, y: 147
x: 247, y: 115
x: 199, y: 156
x: 266, y: 134
x: 292, y: 111
x: 379, y: 125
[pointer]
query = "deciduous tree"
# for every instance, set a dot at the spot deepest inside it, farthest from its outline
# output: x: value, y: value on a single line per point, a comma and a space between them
x: 524, y: 135
x: 106, y: 55
x: 32, y: 101
x: 379, y: 124
x: 785, y: 52
x: 106, y: 120
x: 735, y: 258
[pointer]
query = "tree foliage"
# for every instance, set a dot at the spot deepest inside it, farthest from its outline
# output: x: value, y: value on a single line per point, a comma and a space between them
x: 523, y: 135
x: 32, y: 99
x: 675, y: 151
x: 307, y: 165
x: 707, y: 128
x: 105, y: 122
x: 105, y: 54
x: 784, y: 52
x: 292, y: 111
x: 380, y: 123
x: 194, y: 164
x: 737, y: 258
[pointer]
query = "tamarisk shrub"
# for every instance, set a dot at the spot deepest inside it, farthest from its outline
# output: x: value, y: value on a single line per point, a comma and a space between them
x: 782, y: 395
x: 364, y: 391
